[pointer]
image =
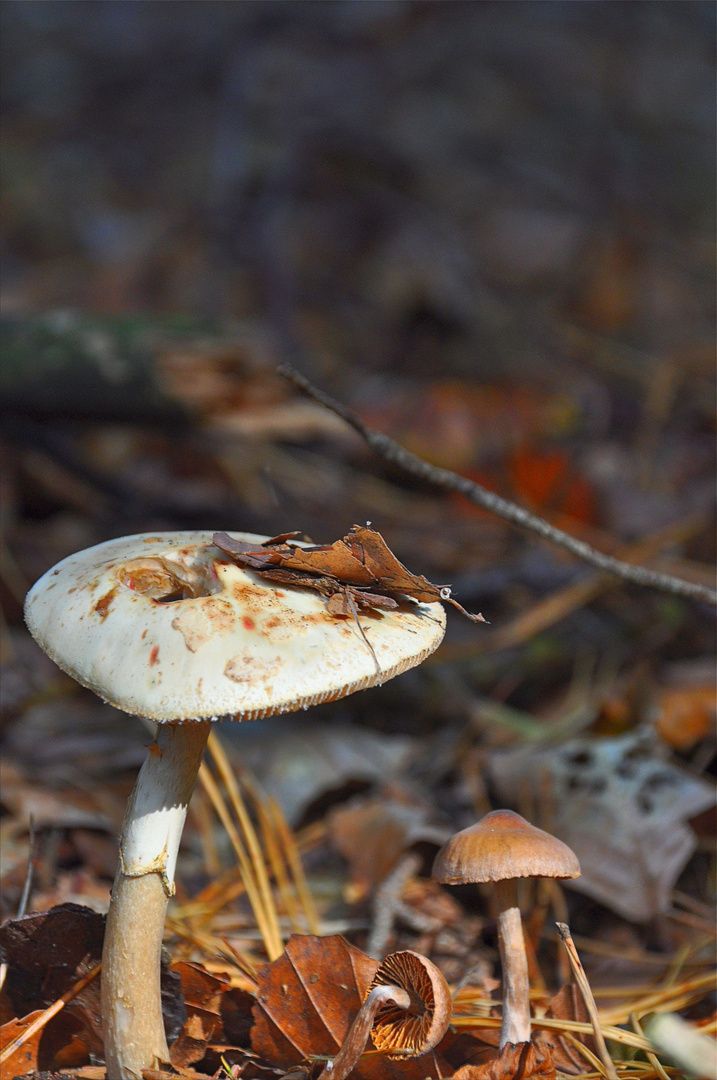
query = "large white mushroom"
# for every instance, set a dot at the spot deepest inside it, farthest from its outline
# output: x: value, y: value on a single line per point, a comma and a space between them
x: 168, y: 627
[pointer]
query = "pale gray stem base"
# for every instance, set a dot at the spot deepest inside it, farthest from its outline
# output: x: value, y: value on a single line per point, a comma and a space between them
x: 133, y: 1029
x: 515, y: 1027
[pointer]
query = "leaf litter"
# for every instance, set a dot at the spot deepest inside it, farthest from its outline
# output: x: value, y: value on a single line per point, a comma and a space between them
x: 357, y: 573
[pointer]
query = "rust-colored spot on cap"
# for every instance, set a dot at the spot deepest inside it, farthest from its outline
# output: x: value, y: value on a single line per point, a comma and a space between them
x: 102, y: 606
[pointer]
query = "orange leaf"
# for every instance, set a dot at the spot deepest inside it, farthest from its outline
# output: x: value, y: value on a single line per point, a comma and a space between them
x: 685, y: 715
x: 25, y: 1058
x: 545, y: 480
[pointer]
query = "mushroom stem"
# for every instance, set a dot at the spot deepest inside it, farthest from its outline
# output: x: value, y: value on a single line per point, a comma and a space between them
x: 133, y: 1028
x: 515, y: 1027
x: 355, y: 1042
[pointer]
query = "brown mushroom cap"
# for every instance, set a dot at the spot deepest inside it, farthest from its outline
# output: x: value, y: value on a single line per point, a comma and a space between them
x: 400, y: 1033
x: 167, y: 626
x: 503, y: 845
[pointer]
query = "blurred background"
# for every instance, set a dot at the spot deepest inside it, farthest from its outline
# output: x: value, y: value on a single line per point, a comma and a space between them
x: 489, y: 229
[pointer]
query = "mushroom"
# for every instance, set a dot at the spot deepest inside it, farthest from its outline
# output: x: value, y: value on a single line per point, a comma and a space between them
x: 501, y: 848
x: 406, y: 1011
x: 165, y: 626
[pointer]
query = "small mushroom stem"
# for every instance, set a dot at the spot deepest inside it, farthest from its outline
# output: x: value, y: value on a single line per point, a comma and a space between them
x: 515, y: 1027
x: 355, y: 1042
x: 133, y: 1029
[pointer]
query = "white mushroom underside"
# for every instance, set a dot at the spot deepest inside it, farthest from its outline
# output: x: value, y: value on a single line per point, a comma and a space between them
x: 243, y: 647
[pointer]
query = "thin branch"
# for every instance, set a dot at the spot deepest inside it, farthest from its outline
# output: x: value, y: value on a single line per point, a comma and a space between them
x: 488, y: 500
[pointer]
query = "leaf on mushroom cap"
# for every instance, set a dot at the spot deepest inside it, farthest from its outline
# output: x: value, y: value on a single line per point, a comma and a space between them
x: 361, y: 563
x: 500, y: 846
x: 167, y: 627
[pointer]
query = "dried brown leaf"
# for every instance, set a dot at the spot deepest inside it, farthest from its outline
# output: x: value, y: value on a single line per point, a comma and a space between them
x: 307, y: 1001
x: 47, y: 952
x: 516, y: 1061
x: 360, y: 565
x: 202, y: 994
x: 26, y: 1058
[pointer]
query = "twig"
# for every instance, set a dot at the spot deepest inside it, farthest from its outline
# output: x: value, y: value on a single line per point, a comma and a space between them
x: 385, y: 902
x: 488, y: 500
x: 582, y: 981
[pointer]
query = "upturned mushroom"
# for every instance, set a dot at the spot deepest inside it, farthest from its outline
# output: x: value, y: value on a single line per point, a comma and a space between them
x: 406, y: 1012
x: 501, y: 848
x: 167, y: 627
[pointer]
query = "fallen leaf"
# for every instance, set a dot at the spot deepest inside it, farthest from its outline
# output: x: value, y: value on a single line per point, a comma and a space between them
x: 373, y: 833
x: 47, y: 953
x: 360, y: 566
x: 516, y: 1061
x: 68, y: 809
x: 307, y: 1001
x: 621, y: 805
x: 26, y: 1058
x: 684, y: 715
x: 202, y: 993
x: 306, y: 764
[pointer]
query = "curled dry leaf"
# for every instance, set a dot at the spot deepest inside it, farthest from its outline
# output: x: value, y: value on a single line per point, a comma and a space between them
x: 307, y: 1002
x: 358, y: 571
x: 202, y: 994
x: 516, y: 1061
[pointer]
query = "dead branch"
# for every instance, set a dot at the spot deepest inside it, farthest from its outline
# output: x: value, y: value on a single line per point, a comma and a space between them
x: 488, y: 500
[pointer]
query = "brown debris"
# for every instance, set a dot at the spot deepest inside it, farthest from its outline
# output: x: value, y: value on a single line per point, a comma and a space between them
x: 516, y: 1061
x: 360, y: 567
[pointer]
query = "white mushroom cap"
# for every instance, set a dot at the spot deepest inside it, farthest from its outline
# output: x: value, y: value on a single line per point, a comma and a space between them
x: 113, y: 618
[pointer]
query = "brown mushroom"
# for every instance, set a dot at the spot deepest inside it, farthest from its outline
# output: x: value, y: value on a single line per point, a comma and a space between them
x: 501, y: 848
x: 167, y: 627
x: 406, y: 1012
